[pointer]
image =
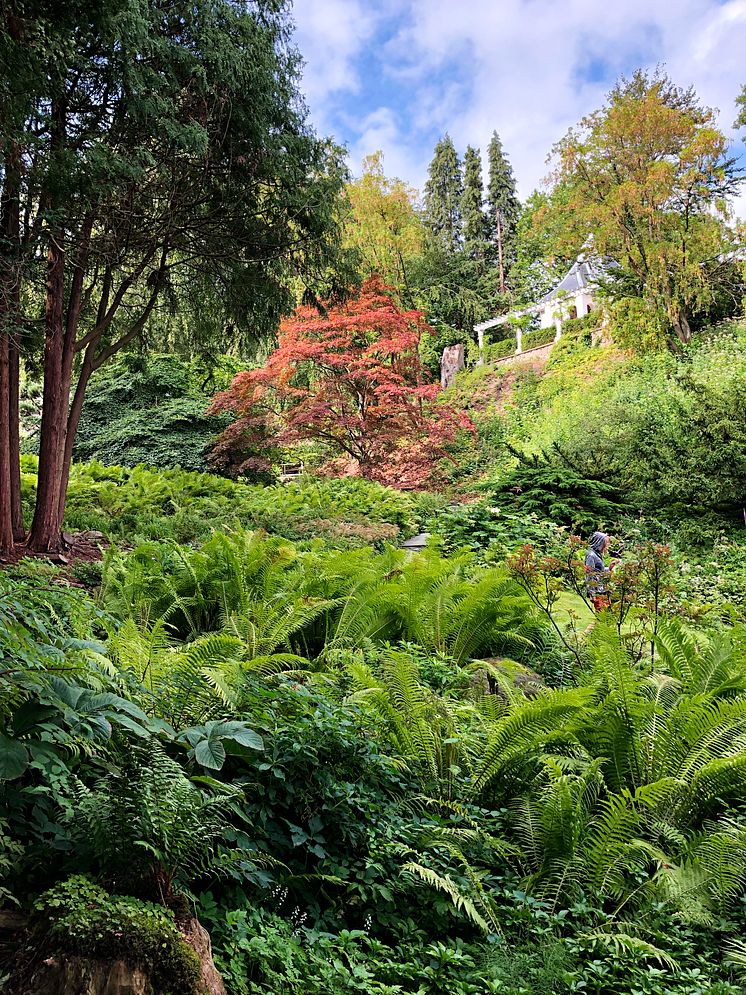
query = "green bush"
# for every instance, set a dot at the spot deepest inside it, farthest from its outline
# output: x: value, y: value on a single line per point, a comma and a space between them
x: 499, y: 350
x: 558, y: 494
x: 141, y: 502
x: 481, y: 526
x: 539, y: 337
x: 151, y: 410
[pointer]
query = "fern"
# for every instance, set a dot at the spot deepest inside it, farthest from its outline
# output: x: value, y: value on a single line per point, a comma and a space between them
x: 443, y: 883
x: 147, y: 824
x: 633, y: 946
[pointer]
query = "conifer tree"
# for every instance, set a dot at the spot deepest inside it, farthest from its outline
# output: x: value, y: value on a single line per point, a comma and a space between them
x: 475, y: 223
x: 144, y: 148
x: 443, y: 193
x: 504, y: 208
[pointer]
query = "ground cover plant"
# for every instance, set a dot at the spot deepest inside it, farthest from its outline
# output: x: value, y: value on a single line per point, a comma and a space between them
x: 142, y: 502
x: 393, y: 777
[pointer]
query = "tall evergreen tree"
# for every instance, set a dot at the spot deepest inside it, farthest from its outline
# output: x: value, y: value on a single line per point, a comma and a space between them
x: 443, y: 193
x: 144, y: 148
x: 504, y: 208
x: 475, y: 223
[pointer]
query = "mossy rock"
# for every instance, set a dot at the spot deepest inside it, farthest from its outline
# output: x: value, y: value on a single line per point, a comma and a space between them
x: 85, y: 941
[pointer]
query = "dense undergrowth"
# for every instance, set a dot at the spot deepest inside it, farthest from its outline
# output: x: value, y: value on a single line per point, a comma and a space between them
x: 381, y: 773
x: 142, y: 502
x: 376, y: 772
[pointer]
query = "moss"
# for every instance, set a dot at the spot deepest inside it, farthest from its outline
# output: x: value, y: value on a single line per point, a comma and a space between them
x: 79, y: 917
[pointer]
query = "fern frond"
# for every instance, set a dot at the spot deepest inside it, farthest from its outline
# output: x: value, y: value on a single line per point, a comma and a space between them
x: 445, y: 884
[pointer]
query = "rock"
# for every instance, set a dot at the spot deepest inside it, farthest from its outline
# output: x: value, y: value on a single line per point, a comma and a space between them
x: 199, y: 939
x: 451, y: 362
x: 67, y: 975
x: 92, y: 534
x: 68, y: 538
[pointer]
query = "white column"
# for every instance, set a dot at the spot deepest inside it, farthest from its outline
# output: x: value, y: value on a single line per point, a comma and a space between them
x: 519, y: 339
x: 480, y: 337
x: 558, y: 327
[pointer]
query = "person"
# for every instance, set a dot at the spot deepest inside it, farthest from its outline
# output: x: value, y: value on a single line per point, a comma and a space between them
x: 596, y: 572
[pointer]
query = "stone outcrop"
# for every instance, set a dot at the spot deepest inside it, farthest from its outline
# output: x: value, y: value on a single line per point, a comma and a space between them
x: 71, y: 974
x: 451, y: 363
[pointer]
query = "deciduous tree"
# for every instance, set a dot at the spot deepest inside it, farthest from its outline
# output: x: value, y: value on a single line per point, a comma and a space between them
x: 647, y: 177
x: 349, y: 378
x: 741, y: 101
x: 384, y: 225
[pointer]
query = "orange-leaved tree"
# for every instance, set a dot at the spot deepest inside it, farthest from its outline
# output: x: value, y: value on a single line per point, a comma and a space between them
x: 349, y: 377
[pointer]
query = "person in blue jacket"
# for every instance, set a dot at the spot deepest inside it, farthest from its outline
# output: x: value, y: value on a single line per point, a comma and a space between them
x: 596, y: 571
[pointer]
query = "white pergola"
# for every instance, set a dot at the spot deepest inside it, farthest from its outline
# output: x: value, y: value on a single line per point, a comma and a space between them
x: 573, y: 296
x: 504, y: 319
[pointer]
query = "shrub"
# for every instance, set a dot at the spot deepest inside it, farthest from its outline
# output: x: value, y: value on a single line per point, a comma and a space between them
x: 151, y: 410
x: 481, y: 526
x: 558, y: 494
x: 127, y: 502
x: 499, y: 350
x: 539, y: 337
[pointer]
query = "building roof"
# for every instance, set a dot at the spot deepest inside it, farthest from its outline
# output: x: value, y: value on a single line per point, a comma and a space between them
x: 583, y: 273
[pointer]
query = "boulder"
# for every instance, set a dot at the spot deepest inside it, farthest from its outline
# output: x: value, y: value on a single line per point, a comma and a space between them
x: 69, y: 975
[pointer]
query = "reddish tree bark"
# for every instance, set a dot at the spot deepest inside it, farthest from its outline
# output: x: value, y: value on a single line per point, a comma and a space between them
x: 11, y: 517
x: 14, y: 440
x: 60, y: 415
x: 47, y: 525
x: 6, y: 520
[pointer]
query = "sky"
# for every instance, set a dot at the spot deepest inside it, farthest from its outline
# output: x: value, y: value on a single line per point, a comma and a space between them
x: 396, y: 75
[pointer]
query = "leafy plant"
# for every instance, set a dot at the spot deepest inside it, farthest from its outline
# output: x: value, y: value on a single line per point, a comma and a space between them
x: 147, y: 824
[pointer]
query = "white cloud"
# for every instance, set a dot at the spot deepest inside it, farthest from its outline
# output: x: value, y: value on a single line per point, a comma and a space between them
x: 526, y: 68
x: 330, y: 35
x: 380, y: 130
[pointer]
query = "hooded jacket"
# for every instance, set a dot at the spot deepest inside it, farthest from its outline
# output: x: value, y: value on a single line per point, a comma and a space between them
x: 595, y: 571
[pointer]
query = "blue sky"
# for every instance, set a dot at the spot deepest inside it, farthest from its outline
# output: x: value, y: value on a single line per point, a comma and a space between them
x: 396, y: 75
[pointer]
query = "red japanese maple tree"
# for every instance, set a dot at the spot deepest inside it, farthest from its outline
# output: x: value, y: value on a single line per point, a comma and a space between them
x: 351, y: 378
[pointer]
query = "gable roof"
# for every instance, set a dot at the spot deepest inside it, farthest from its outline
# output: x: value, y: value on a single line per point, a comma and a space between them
x: 583, y: 273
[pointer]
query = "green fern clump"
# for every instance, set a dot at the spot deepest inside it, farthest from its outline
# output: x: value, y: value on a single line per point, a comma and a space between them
x: 147, y: 825
x: 154, y: 503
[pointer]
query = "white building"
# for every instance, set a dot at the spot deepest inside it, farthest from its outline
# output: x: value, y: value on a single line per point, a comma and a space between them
x: 573, y: 297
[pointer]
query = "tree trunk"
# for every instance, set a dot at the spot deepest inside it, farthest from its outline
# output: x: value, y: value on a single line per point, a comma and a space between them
x: 14, y: 433
x: 73, y: 420
x: 6, y: 519
x: 47, y: 524
x: 500, y: 255
x: 11, y: 518
x: 682, y: 328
